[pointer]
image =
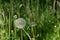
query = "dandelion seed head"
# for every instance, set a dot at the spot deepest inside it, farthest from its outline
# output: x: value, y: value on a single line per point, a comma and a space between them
x: 20, y: 23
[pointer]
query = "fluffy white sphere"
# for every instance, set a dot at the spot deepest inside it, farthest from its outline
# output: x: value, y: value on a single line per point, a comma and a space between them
x: 20, y: 23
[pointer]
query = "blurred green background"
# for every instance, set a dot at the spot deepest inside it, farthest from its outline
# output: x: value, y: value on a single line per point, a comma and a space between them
x: 44, y: 15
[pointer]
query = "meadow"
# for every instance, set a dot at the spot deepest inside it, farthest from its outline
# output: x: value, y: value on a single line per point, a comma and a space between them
x: 29, y: 20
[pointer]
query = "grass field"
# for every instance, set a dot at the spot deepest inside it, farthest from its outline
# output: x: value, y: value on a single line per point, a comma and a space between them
x: 29, y: 20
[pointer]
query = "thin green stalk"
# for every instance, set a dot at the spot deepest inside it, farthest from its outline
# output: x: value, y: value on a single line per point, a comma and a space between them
x: 21, y: 35
x: 32, y: 29
x: 12, y: 34
x: 6, y: 23
x: 1, y: 32
x: 11, y: 15
x: 9, y: 25
x: 27, y: 34
x: 54, y: 5
x: 15, y: 32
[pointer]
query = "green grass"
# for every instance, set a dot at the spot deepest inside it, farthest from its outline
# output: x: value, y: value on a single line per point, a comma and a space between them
x: 39, y: 16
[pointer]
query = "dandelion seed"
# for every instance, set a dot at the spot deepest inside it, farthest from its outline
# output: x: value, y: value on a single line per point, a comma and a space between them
x: 37, y: 35
x: 15, y: 16
x: 11, y: 31
x: 20, y: 5
x: 55, y: 26
x: 32, y: 24
x: 20, y: 23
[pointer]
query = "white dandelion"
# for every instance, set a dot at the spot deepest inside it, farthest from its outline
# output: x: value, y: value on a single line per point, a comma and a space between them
x: 20, y: 23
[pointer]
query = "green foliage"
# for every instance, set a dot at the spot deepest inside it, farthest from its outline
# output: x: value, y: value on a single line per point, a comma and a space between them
x: 39, y: 12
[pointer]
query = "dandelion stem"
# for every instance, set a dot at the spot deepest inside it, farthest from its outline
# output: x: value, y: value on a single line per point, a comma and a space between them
x: 9, y: 26
x: 54, y: 5
x: 1, y: 33
x: 21, y: 35
x: 33, y: 32
x: 12, y: 36
x: 27, y: 34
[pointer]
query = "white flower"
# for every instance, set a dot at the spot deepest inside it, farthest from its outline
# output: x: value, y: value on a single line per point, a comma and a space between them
x: 20, y: 23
